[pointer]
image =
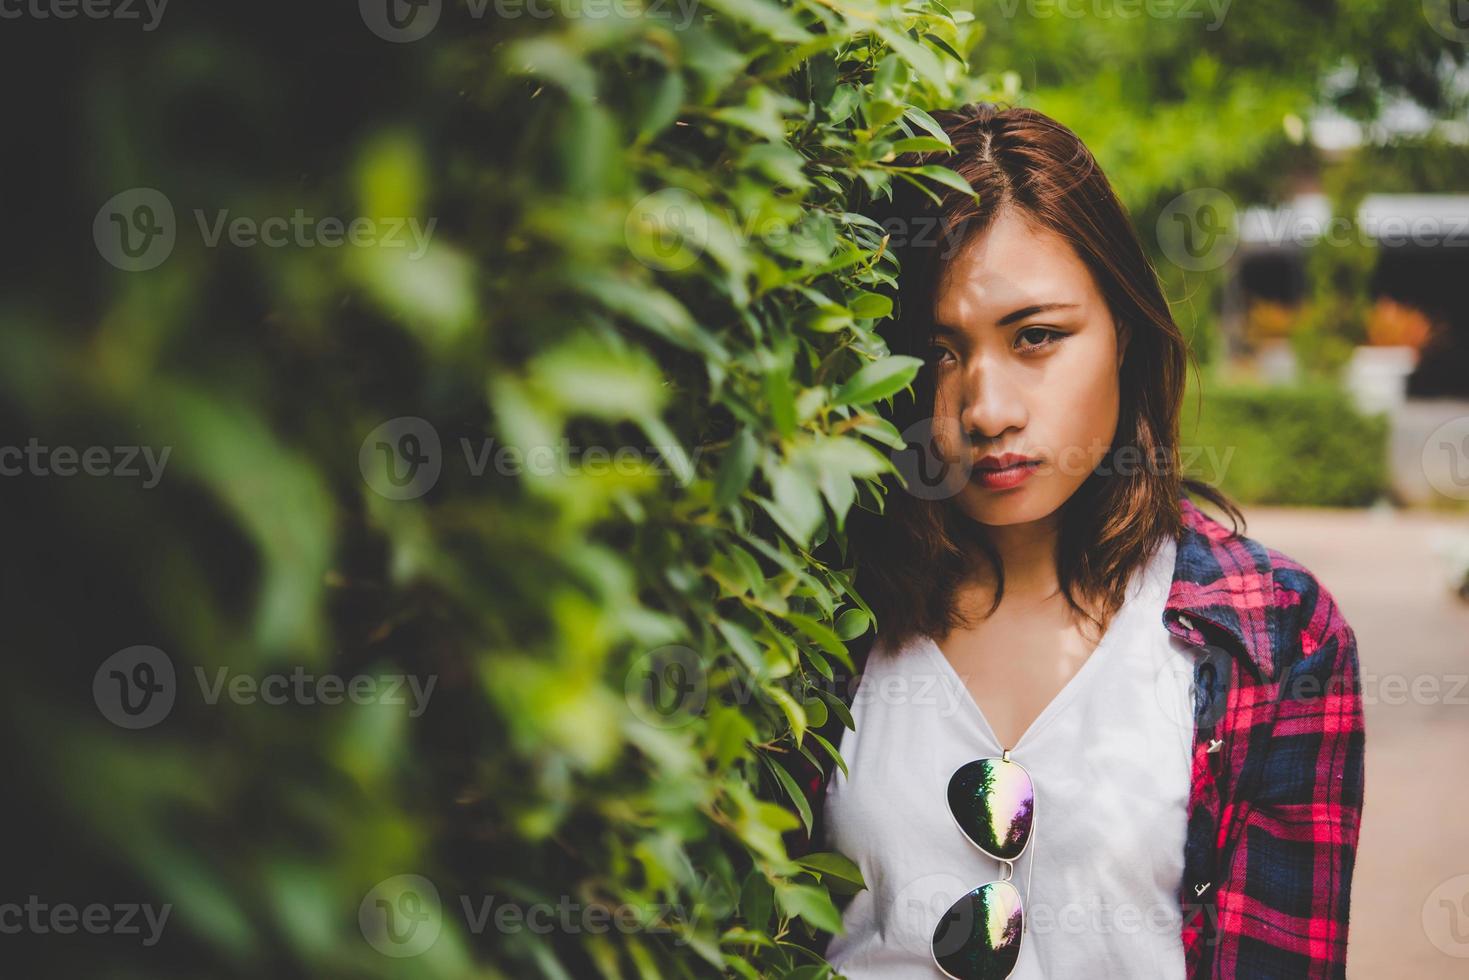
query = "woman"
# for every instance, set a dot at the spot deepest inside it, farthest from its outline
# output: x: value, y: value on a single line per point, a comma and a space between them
x: 1099, y: 734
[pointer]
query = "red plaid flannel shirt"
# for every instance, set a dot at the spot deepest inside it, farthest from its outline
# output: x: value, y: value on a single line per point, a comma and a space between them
x: 1276, y: 795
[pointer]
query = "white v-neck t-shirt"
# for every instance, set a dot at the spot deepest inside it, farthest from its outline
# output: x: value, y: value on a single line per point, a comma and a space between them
x: 1110, y: 761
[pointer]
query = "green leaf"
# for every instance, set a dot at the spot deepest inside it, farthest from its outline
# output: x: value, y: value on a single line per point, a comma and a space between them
x: 554, y: 60
x: 831, y: 750
x: 747, y: 564
x: 833, y: 865
x: 823, y: 635
x: 923, y: 60
x: 882, y: 430
x: 795, y: 714
x: 772, y: 20
x: 788, y: 783
x: 944, y: 46
x: 669, y: 448
x: 782, y: 401
x: 651, y: 308
x: 736, y: 468
x: 662, y: 109
x: 942, y: 175
x: 763, y: 113
x: 920, y: 144
x: 852, y: 623
x: 778, y: 162
x: 870, y: 306
x: 797, y: 505
x: 843, y: 101
x: 743, y: 645
x: 840, y: 493
x: 878, y: 380
x: 837, y: 705
x: 828, y: 318
x: 811, y: 903
x: 587, y: 376
x: 729, y: 734
x: 815, y: 709
x: 850, y: 457
x: 757, y: 900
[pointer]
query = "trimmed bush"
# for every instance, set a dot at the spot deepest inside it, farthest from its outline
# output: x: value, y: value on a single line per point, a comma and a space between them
x: 1304, y: 445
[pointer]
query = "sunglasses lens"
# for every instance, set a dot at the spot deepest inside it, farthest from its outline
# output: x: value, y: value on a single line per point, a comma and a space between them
x: 979, y: 937
x: 993, y: 802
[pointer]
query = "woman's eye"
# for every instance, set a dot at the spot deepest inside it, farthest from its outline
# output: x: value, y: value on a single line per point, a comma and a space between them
x: 936, y: 354
x: 1039, y: 337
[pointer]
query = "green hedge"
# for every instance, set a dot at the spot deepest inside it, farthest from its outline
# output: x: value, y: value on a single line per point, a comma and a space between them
x: 638, y: 236
x: 1305, y: 445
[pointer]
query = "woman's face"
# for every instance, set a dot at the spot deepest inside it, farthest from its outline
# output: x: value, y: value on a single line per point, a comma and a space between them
x: 1026, y: 360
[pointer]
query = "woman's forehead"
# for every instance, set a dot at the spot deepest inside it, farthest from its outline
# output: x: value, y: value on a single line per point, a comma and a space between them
x: 1012, y: 264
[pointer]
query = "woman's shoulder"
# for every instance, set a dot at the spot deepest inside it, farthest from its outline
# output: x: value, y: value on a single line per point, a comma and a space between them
x: 1264, y: 588
x: 1320, y: 644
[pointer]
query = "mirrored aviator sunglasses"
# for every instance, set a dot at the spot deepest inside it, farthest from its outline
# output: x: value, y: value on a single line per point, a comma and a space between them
x: 993, y: 802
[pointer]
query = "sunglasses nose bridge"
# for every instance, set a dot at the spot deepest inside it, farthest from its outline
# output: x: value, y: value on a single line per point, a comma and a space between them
x: 1007, y: 869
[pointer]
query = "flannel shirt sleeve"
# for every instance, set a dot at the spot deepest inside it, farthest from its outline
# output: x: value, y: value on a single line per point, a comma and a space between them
x: 1284, y: 912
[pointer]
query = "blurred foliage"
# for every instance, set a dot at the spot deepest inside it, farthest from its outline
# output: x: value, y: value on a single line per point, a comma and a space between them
x: 1215, y: 95
x: 1415, y: 165
x: 1303, y: 445
x: 1339, y: 270
x: 640, y: 241
x: 1174, y: 102
x: 1339, y: 311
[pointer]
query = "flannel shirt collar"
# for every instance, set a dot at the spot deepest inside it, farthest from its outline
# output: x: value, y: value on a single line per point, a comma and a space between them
x: 1223, y: 582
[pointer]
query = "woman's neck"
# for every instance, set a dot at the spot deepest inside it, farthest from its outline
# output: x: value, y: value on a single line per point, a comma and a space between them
x: 1028, y: 553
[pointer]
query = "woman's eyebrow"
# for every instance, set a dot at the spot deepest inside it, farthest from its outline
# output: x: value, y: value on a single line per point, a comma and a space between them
x: 941, y: 328
x: 1032, y: 310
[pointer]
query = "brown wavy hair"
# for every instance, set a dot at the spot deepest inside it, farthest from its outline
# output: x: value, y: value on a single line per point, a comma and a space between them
x: 911, y: 556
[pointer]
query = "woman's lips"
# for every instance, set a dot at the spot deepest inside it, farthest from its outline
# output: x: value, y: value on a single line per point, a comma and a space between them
x: 1006, y: 477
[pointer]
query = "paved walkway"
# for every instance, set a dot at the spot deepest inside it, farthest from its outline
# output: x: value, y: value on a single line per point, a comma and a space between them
x: 1410, y: 896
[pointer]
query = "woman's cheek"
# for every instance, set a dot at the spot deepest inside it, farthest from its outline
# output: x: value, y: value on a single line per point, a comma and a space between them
x: 1081, y: 420
x: 1092, y: 383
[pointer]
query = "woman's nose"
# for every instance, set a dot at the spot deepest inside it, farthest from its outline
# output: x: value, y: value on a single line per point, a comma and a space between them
x: 992, y: 401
